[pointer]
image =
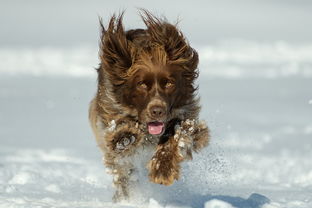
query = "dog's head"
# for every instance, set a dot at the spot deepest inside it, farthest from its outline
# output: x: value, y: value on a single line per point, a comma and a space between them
x: 151, y: 70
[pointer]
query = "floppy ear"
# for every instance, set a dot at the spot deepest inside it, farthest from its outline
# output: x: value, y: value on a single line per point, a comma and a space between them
x: 178, y: 50
x: 115, y: 50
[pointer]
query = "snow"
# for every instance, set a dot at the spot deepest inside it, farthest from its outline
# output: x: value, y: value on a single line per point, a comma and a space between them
x: 215, y: 203
x: 237, y: 59
x: 256, y: 99
x: 226, y: 59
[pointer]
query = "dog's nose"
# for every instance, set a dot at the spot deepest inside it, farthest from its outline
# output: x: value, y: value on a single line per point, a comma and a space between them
x: 157, y: 111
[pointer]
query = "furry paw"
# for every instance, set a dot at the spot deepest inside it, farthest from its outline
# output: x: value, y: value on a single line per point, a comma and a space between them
x: 163, y: 168
x: 191, y: 135
x: 121, y: 138
x: 124, y: 142
x: 201, y: 136
x: 185, y: 148
x: 184, y: 135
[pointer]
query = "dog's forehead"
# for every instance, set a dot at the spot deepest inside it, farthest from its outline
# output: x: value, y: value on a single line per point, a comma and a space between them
x: 153, y: 62
x: 157, y: 71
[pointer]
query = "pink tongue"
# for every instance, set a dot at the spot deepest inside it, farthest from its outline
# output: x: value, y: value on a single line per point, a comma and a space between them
x: 155, y: 128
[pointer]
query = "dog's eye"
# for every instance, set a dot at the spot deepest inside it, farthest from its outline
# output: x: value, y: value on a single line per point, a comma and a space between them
x: 142, y: 85
x: 169, y: 84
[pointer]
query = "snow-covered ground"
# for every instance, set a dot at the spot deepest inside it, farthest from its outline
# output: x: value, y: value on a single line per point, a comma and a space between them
x: 256, y: 98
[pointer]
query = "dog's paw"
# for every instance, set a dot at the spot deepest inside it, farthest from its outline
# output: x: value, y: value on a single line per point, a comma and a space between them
x: 188, y: 126
x: 124, y: 141
x: 163, y: 171
x: 201, y: 136
x: 184, y: 135
x: 191, y: 135
x: 185, y: 145
x: 123, y: 138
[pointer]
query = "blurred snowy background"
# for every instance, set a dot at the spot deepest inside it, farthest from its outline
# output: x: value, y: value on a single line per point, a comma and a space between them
x: 255, y: 85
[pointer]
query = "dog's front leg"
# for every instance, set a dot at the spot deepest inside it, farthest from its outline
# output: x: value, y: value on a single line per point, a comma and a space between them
x: 164, y: 167
x: 189, y: 136
x: 121, y: 178
x: 121, y: 143
x: 193, y: 135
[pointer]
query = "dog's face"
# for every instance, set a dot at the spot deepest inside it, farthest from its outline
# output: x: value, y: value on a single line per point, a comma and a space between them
x: 154, y: 91
x: 151, y: 71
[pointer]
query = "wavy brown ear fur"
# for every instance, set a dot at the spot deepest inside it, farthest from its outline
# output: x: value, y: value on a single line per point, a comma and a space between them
x: 115, y: 51
x: 178, y: 50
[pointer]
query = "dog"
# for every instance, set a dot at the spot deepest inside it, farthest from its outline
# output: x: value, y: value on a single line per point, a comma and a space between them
x: 146, y: 106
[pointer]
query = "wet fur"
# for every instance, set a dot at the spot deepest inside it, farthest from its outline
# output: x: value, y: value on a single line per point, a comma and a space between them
x: 119, y: 111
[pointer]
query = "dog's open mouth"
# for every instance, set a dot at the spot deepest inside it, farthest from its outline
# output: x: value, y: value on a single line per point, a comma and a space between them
x: 156, y: 128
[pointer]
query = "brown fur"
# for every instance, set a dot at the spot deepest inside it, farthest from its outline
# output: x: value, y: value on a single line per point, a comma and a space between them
x: 142, y: 70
